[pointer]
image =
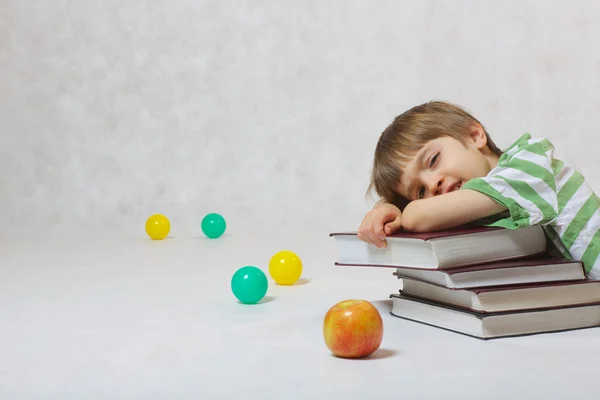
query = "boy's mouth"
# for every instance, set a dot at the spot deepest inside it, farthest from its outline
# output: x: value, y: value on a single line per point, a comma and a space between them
x: 454, y: 186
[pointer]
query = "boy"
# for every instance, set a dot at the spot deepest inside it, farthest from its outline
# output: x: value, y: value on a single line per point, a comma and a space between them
x: 436, y: 167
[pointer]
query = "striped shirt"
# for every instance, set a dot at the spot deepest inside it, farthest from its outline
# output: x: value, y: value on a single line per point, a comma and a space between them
x: 539, y: 189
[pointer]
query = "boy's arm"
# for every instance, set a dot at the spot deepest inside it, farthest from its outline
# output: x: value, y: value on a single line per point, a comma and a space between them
x: 448, y: 210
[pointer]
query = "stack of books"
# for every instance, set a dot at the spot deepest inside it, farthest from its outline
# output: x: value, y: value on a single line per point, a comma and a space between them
x: 480, y: 281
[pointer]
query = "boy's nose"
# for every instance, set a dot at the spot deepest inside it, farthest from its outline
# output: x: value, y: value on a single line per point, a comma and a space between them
x: 436, y: 188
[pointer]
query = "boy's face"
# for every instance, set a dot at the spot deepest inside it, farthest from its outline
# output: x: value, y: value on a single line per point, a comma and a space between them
x: 444, y: 165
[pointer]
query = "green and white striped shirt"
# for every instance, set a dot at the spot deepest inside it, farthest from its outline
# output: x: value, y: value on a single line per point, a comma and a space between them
x: 540, y: 189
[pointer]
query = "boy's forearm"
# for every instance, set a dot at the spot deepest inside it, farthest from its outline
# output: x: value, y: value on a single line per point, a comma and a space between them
x: 448, y: 211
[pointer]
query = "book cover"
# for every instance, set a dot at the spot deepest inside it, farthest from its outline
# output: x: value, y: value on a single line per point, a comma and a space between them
x: 507, y: 323
x: 461, y: 230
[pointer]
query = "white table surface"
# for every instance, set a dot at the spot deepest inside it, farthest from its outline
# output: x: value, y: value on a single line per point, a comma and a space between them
x: 108, y: 315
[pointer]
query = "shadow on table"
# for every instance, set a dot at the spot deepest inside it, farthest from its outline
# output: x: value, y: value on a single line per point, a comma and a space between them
x: 382, y: 353
x: 302, y: 281
x: 299, y: 282
x: 264, y: 300
x: 378, y: 355
x: 383, y: 305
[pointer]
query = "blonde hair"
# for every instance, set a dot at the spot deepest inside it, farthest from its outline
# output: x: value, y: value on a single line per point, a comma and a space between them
x: 408, y: 133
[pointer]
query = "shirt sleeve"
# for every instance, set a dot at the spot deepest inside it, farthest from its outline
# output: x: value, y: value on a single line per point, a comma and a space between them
x: 524, y: 182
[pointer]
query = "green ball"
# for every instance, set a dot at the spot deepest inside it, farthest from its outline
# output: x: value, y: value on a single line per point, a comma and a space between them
x: 213, y: 225
x: 249, y: 284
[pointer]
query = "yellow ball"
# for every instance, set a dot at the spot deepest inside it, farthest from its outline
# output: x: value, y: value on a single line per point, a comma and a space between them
x: 285, y: 267
x: 158, y: 227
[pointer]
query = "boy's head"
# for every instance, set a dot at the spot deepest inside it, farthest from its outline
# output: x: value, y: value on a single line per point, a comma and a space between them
x: 428, y: 150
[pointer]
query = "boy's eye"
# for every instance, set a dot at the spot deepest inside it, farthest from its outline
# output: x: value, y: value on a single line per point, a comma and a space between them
x: 421, y: 192
x: 433, y: 159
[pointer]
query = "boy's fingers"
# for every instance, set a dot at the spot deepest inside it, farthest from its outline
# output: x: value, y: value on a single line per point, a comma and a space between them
x: 363, y: 233
x: 364, y: 237
x: 393, y: 226
x: 371, y: 238
x: 373, y: 228
x: 376, y: 233
x: 367, y: 234
x: 378, y: 229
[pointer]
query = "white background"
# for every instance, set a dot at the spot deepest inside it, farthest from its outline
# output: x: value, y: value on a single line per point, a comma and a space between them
x: 267, y: 112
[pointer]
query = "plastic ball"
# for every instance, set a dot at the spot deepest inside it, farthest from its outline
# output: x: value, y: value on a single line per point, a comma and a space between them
x: 213, y: 225
x: 158, y: 227
x: 285, y: 267
x: 249, y: 284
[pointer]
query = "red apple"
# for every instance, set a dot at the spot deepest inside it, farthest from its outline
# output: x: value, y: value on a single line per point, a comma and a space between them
x: 353, y: 329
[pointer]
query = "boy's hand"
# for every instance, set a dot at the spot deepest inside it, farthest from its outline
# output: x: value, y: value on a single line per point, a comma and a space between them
x: 381, y: 221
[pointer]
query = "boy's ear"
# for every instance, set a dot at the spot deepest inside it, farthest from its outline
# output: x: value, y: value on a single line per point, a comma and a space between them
x: 478, y: 136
